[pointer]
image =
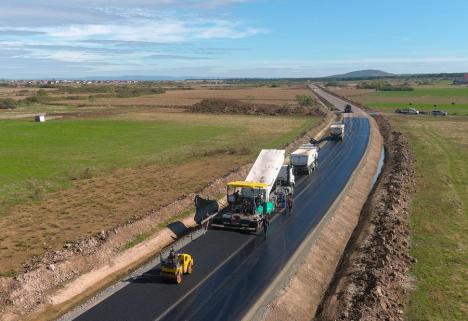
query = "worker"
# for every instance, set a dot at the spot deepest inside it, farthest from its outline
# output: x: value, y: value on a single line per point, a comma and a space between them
x: 259, y: 199
x: 280, y: 199
x: 206, y: 224
x: 245, y: 207
x: 232, y: 199
x: 290, y: 203
x: 265, y: 225
x: 172, y: 255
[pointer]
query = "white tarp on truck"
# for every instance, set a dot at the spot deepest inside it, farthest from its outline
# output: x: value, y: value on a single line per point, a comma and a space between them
x: 267, y: 167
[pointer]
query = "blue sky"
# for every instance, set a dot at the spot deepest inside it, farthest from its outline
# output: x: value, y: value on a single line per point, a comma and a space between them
x: 230, y: 38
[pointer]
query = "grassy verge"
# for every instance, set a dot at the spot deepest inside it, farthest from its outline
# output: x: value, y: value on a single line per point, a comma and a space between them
x: 136, y: 240
x: 439, y: 217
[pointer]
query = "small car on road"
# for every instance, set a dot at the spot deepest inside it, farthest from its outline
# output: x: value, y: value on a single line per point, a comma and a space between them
x: 439, y: 113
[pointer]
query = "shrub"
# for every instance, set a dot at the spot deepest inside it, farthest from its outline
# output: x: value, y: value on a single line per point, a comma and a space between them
x: 30, y: 100
x: 395, y: 88
x: 305, y: 100
x: 7, y: 103
x: 41, y: 93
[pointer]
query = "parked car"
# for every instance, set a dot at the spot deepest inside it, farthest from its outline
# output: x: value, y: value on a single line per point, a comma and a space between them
x: 439, y: 113
x: 409, y: 111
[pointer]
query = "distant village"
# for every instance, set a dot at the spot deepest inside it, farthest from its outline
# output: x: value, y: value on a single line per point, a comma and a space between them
x: 45, y: 83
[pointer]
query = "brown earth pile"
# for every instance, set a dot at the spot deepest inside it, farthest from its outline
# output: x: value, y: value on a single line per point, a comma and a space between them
x: 372, y: 281
x: 233, y: 106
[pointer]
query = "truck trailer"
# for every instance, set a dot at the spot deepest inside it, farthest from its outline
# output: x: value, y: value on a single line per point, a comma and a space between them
x: 337, y: 131
x: 304, y: 160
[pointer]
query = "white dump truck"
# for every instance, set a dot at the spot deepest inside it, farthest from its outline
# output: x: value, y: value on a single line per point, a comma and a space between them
x: 304, y: 160
x: 337, y: 131
x: 251, y: 200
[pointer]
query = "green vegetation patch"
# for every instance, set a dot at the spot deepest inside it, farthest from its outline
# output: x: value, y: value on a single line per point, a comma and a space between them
x: 439, y: 218
x: 42, y: 157
x: 448, y: 92
x: 39, y: 158
x: 451, y: 99
x: 135, y: 241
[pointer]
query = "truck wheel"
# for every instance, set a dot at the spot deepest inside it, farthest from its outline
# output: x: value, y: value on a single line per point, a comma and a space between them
x: 190, y: 268
x: 178, y: 278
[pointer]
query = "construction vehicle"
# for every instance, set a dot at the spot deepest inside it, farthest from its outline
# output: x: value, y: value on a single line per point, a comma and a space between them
x: 348, y: 108
x: 175, y: 266
x: 250, y: 201
x: 304, y: 160
x: 337, y: 131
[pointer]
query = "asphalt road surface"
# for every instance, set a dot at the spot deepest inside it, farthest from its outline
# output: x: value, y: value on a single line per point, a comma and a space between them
x: 233, y: 269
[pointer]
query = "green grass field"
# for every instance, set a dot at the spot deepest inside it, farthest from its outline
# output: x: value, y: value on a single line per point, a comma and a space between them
x: 439, y: 218
x: 41, y: 157
x: 452, y: 99
x: 48, y: 156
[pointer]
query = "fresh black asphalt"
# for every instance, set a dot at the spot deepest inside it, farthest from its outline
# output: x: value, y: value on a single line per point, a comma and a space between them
x: 233, y: 269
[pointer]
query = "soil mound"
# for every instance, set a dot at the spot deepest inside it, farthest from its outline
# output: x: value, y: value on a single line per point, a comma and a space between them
x: 372, y: 281
x: 233, y: 106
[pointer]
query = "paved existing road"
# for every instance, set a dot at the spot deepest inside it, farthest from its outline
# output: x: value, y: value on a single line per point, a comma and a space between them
x: 337, y: 102
x: 233, y: 269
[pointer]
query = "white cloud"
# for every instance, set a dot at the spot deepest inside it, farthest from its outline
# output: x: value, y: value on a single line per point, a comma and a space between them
x: 167, y: 30
x: 67, y: 56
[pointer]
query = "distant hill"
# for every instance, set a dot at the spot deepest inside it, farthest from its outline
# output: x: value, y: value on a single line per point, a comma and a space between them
x: 369, y: 73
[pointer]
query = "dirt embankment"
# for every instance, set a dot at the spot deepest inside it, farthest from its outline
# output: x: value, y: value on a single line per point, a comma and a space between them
x: 34, y: 290
x: 310, y: 275
x: 234, y: 106
x: 372, y: 280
